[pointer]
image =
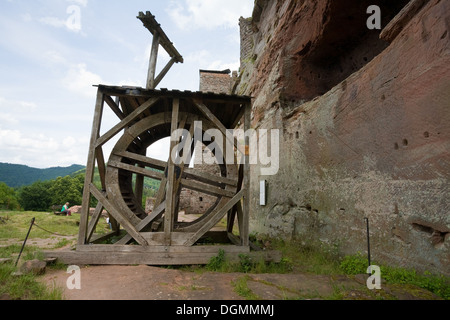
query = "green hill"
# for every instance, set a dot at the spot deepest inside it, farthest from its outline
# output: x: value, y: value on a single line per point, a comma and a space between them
x: 15, y: 175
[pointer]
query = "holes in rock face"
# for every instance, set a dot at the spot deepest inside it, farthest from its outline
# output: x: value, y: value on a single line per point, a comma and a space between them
x: 426, y: 134
x: 437, y: 237
x: 405, y: 142
x: 396, y: 146
x: 344, y: 47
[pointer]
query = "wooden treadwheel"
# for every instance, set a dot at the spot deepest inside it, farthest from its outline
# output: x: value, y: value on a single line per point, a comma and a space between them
x: 128, y: 163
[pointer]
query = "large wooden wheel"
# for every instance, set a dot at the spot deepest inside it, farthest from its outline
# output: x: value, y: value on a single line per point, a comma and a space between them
x: 147, y: 116
x: 128, y: 164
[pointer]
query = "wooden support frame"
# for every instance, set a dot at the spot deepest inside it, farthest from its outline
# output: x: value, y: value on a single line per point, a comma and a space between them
x: 159, y: 39
x: 143, y: 117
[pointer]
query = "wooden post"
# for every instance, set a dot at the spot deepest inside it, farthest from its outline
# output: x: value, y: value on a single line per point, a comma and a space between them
x: 153, y: 60
x: 245, y: 241
x: 98, y: 115
x: 170, y: 203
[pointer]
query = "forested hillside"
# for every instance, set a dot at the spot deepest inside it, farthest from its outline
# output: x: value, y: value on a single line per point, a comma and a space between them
x: 14, y: 175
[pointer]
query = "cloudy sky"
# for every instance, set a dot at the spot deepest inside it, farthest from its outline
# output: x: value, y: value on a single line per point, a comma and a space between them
x: 52, y: 52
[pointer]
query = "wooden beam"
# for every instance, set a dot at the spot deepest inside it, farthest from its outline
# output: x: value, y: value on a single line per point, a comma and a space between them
x: 207, y: 189
x: 149, y: 162
x: 170, y: 196
x: 125, y: 122
x: 156, y: 214
x: 154, y: 27
x: 94, y: 221
x: 216, y: 217
x: 114, y: 107
x: 117, y: 215
x: 153, y: 60
x: 141, y: 171
x: 211, y: 117
x: 90, y: 167
x: 245, y: 226
x: 163, y: 72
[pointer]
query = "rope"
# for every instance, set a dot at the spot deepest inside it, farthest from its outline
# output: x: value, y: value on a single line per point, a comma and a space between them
x: 56, y: 234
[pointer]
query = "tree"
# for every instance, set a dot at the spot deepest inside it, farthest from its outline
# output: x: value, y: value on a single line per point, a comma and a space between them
x: 67, y: 189
x: 36, y: 197
x: 8, y: 198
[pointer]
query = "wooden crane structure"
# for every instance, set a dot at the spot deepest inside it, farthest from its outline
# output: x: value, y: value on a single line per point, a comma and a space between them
x: 145, y: 116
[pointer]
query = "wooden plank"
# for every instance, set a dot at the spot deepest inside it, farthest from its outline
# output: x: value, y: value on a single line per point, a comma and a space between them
x: 208, y: 178
x: 207, y: 189
x: 90, y: 167
x: 101, y: 166
x: 156, y: 214
x: 154, y: 27
x: 98, y: 238
x: 149, y: 162
x: 164, y: 71
x: 141, y: 171
x: 245, y: 226
x: 393, y: 29
x: 161, y: 249
x: 170, y: 201
x: 216, y: 217
x: 153, y: 61
x: 117, y: 215
x: 125, y: 122
x: 94, y: 221
x: 211, y: 117
x: 156, y: 258
x: 159, y: 238
x: 114, y: 107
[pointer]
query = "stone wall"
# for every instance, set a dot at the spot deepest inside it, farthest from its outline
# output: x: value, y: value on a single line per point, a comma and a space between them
x: 216, y: 81
x: 365, y: 127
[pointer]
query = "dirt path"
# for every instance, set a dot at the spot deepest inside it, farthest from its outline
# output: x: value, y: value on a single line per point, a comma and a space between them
x: 153, y: 283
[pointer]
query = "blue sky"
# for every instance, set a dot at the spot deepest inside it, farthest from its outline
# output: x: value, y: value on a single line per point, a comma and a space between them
x: 50, y: 59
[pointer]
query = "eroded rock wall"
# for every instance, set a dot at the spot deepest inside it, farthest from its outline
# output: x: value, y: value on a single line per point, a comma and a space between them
x: 365, y: 127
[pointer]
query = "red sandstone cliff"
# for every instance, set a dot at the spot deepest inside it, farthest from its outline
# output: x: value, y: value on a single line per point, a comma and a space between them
x: 365, y: 125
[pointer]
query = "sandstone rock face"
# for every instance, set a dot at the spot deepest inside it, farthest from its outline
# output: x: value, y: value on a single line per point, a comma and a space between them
x: 365, y: 127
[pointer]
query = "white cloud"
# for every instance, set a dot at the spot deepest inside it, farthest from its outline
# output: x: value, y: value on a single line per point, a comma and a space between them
x: 40, y: 150
x: 79, y: 80
x: 208, y: 14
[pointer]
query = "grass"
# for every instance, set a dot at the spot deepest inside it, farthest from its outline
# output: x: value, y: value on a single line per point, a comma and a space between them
x: 298, y: 257
x: 14, y: 226
x: 318, y: 259
x: 25, y: 287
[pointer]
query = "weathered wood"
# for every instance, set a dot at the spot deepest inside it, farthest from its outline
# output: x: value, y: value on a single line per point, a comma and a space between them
x: 210, y: 116
x: 90, y: 167
x: 393, y: 29
x: 94, y: 221
x: 125, y: 122
x: 162, y: 249
x: 245, y: 223
x: 170, y: 201
x: 142, y: 171
x: 117, y: 215
x: 206, y: 189
x: 155, y: 28
x: 163, y: 72
x: 168, y: 257
x: 149, y: 162
x: 156, y: 214
x: 216, y: 217
x: 153, y: 60
x: 114, y: 107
